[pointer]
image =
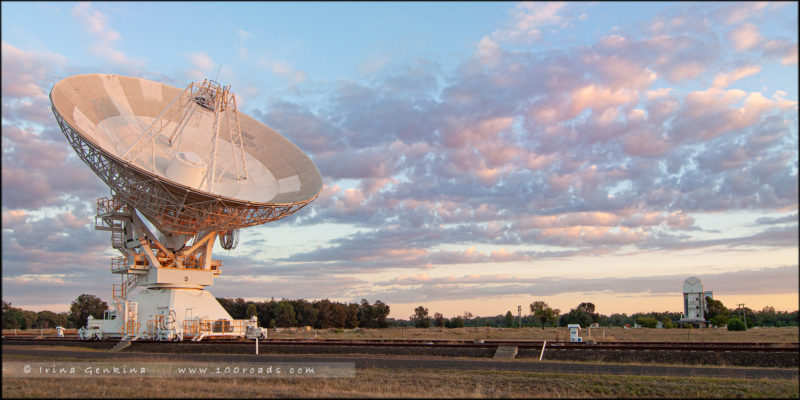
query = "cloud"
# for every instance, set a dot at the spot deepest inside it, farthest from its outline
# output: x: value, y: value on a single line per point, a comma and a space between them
x: 777, y: 220
x: 243, y: 34
x: 25, y: 73
x: 105, y: 38
x: 284, y: 69
x: 723, y: 80
x: 784, y: 49
x: 425, y: 287
x: 528, y: 19
x: 514, y: 154
x: 738, y: 12
x: 745, y: 37
x: 95, y: 21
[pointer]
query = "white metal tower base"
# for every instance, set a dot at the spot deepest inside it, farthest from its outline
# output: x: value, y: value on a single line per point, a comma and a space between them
x: 187, y: 304
x: 170, y: 314
x: 171, y: 302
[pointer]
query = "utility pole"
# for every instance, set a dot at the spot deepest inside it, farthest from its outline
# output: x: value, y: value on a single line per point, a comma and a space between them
x: 743, y: 314
x: 519, y: 313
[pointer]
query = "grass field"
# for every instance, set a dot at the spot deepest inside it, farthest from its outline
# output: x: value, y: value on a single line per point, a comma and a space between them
x: 765, y: 335
x: 771, y: 334
x: 399, y: 383
x: 407, y: 383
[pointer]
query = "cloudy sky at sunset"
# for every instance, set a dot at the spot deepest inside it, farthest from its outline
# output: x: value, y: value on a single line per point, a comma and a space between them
x: 475, y: 156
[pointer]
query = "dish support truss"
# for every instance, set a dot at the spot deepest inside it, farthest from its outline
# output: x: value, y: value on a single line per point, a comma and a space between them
x: 169, y: 206
x: 171, y: 282
x: 208, y: 95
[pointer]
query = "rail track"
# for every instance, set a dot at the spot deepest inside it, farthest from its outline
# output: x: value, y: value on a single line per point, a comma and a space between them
x: 454, y: 344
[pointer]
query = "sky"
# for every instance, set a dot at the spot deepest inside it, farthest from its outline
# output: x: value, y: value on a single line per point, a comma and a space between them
x: 475, y: 156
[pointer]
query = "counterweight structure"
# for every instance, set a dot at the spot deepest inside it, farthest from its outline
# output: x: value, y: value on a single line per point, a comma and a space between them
x: 184, y: 168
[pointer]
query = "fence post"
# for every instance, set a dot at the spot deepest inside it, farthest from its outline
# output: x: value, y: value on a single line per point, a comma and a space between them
x: 542, y: 353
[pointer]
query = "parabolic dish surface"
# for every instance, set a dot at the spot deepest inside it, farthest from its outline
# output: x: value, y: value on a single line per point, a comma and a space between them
x: 103, y: 116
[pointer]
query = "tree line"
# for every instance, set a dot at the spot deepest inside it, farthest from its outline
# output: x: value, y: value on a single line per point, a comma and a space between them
x: 322, y: 314
x: 542, y: 315
x: 319, y: 314
x: 80, y: 309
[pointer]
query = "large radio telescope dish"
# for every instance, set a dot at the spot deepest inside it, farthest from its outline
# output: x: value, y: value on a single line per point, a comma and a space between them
x: 186, y: 159
x: 184, y: 167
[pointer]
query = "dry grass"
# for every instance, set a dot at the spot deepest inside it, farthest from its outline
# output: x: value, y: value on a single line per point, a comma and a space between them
x: 767, y: 335
x: 395, y: 383
x: 406, y: 383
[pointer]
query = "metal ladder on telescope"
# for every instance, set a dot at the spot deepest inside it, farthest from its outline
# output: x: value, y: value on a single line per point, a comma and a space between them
x: 112, y: 216
x: 127, y: 311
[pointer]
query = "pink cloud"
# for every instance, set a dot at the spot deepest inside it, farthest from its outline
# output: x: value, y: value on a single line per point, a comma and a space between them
x: 95, y: 21
x: 737, y: 12
x: 26, y: 72
x: 781, y: 48
x: 723, y: 80
x: 745, y: 37
x: 680, y: 220
x: 646, y: 144
x: 600, y: 98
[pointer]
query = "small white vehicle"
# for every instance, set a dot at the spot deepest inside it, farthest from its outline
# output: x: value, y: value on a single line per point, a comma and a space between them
x: 253, y: 331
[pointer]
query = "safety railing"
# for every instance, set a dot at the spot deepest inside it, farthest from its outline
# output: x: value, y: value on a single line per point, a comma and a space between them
x: 109, y: 205
x: 207, y: 327
x: 118, y: 291
x: 119, y: 263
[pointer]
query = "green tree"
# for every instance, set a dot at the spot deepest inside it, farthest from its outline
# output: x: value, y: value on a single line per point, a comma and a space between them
x: 467, y: 316
x: 420, y: 317
x: 455, y: 322
x: 228, y: 305
x: 667, y: 323
x: 30, y: 318
x: 46, y: 319
x: 438, y: 320
x: 750, y: 317
x: 716, y: 312
x: 284, y: 314
x: 12, y: 317
x: 239, y: 309
x: 251, y: 310
x: 63, y: 320
x: 351, y: 316
x: 583, y: 315
x: 509, y: 319
x: 587, y: 307
x: 325, y: 314
x: 544, y: 313
x: 306, y: 313
x: 266, y: 313
x: 647, y: 322
x: 381, y: 312
x: 735, y: 324
x: 366, y: 315
x: 767, y: 316
x: 618, y: 319
x: 84, y: 306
